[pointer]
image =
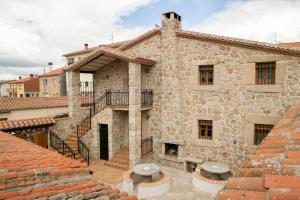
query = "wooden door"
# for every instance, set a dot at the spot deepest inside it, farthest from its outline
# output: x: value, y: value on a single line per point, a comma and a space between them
x: 103, y: 131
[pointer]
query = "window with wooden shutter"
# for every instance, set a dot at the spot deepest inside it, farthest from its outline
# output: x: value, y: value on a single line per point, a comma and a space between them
x: 265, y: 73
x: 206, y: 75
x: 205, y: 129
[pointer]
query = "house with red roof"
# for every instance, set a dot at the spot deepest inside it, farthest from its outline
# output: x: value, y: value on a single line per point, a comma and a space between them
x: 25, y: 87
x: 53, y: 83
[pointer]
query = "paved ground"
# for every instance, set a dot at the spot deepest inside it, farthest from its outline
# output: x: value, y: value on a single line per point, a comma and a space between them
x: 105, y: 174
x: 182, y: 187
x: 181, y: 182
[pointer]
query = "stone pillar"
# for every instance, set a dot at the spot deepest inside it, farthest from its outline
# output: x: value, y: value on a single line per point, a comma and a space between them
x: 74, y: 95
x: 135, y: 132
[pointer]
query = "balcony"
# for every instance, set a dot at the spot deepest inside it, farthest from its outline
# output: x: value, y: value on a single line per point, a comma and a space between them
x: 117, y: 100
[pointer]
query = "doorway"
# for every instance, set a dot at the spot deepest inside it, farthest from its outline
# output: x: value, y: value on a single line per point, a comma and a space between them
x: 103, y: 132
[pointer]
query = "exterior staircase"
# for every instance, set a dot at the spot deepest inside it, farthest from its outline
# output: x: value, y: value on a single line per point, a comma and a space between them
x: 120, y: 160
x: 71, y: 140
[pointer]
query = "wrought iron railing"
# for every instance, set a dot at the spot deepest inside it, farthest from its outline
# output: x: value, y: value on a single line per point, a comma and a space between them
x: 59, y: 145
x: 87, y: 93
x: 84, y: 151
x: 110, y: 98
x: 146, y: 146
x: 147, y: 97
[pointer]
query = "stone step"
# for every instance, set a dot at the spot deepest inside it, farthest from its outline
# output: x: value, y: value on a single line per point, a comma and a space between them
x: 115, y: 165
x: 122, y: 162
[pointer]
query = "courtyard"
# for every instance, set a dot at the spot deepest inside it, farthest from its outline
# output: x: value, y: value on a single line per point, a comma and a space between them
x: 181, y: 182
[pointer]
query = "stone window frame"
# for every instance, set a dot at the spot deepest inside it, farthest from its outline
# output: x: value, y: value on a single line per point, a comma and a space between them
x: 254, y: 118
x: 207, y: 125
x: 206, y: 71
x: 217, y: 75
x: 195, y: 140
x: 263, y: 128
x: 250, y: 73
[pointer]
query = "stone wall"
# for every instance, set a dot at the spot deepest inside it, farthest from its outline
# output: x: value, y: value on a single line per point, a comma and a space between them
x: 63, y: 127
x: 113, y: 76
x: 234, y: 102
x: 119, y: 130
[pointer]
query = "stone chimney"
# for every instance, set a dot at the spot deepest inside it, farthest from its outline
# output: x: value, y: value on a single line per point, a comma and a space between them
x: 31, y: 75
x: 171, y: 21
x: 86, y: 46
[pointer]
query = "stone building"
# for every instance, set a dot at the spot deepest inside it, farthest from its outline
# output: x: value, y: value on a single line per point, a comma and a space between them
x: 25, y: 87
x: 194, y: 96
x: 53, y: 83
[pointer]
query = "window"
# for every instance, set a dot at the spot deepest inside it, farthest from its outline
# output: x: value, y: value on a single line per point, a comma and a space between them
x: 21, y: 95
x: 205, y: 129
x: 3, y: 119
x: 260, y: 132
x: 265, y: 73
x: 27, y: 95
x: 70, y: 61
x: 206, y: 75
x: 45, y: 81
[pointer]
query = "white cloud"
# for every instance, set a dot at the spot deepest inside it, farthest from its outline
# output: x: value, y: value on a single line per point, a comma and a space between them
x: 33, y: 32
x: 256, y: 20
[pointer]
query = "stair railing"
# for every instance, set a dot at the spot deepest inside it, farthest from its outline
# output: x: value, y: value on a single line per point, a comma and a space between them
x: 59, y: 145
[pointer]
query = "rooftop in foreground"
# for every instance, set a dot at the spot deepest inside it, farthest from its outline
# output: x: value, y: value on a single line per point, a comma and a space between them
x: 273, y: 172
x: 28, y: 171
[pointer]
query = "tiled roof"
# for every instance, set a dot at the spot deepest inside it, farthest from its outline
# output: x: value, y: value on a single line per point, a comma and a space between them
x: 22, y: 80
x: 89, y: 50
x: 15, y: 103
x: 141, y: 38
x: 83, y: 51
x: 8, y: 104
x: 54, y: 72
x: 273, y: 172
x: 239, y: 42
x: 22, y: 123
x: 102, y: 50
x: 5, y: 81
x: 290, y: 44
x: 28, y: 171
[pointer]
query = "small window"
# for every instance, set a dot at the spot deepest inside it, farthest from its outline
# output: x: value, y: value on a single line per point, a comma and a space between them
x: 70, y: 61
x: 265, y: 73
x: 260, y: 132
x: 27, y: 95
x: 206, y: 75
x: 205, y: 129
x: 45, y: 81
x: 3, y: 119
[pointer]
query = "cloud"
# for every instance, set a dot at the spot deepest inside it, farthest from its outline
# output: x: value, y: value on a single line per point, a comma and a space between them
x: 33, y: 32
x: 260, y: 20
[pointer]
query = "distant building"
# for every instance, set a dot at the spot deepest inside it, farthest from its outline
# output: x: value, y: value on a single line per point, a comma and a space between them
x: 24, y: 87
x: 4, y: 88
x: 290, y: 44
x: 53, y: 83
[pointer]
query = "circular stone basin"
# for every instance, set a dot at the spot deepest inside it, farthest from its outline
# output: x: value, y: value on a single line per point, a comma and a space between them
x: 147, y: 169
x: 216, y: 167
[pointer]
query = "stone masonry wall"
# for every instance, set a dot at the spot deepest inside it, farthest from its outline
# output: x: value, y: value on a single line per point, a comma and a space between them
x: 234, y: 102
x: 113, y: 76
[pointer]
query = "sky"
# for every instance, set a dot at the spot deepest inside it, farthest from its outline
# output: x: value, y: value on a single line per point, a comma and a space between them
x: 35, y: 32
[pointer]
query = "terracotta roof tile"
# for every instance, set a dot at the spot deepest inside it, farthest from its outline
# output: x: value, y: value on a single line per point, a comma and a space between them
x: 240, y: 42
x: 8, y: 104
x: 284, y: 194
x: 12, y: 124
x: 102, y: 50
x: 54, y: 72
x: 276, y: 162
x: 241, y: 194
x: 29, y: 171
